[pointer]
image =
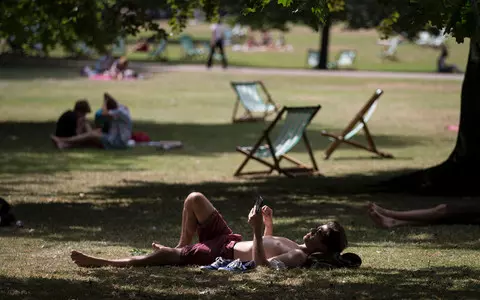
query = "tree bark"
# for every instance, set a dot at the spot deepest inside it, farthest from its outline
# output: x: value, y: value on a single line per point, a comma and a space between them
x: 324, y: 41
x: 459, y: 175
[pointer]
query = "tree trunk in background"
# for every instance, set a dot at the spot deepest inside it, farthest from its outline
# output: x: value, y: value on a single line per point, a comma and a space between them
x: 324, y: 41
x: 460, y: 173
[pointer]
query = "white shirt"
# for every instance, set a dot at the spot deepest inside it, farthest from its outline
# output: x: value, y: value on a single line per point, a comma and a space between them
x: 218, y: 31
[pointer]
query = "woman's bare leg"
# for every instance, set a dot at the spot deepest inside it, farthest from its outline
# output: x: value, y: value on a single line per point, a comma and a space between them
x: 196, y: 210
x: 90, y: 138
x: 164, y: 256
x: 422, y: 215
x: 388, y: 222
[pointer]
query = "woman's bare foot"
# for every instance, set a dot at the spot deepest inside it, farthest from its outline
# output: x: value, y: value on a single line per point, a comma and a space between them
x: 58, y: 142
x: 381, y: 220
x: 379, y: 209
x: 86, y: 261
x: 157, y: 246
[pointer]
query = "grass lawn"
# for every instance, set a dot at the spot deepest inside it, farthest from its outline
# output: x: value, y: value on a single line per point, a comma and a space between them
x: 411, y: 57
x: 108, y: 203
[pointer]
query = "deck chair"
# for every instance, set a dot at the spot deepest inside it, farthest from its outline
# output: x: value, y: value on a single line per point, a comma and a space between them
x: 358, y: 123
x: 189, y: 48
x: 390, y: 48
x: 345, y: 60
x: 248, y: 93
x: 159, y: 50
x: 267, y: 149
x: 82, y: 49
x: 313, y: 56
x: 118, y: 48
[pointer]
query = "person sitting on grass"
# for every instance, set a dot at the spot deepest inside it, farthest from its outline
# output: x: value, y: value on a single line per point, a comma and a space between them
x: 72, y: 123
x: 119, y: 132
x: 442, y: 66
x: 216, y: 239
x: 441, y: 214
x: 119, y: 69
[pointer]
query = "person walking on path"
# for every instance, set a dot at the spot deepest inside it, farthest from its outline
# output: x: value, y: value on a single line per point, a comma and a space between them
x: 217, y: 41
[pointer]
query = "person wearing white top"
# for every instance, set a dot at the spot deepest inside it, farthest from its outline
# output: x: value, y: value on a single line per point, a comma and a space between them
x: 217, y: 41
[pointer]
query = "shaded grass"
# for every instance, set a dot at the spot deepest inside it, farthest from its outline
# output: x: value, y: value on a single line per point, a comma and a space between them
x: 107, y: 203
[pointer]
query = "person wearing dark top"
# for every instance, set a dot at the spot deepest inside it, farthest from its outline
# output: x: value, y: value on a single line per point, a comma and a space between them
x: 442, y: 66
x: 72, y: 123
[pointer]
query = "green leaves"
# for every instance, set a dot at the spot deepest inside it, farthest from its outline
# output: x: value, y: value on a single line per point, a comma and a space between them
x: 285, y: 2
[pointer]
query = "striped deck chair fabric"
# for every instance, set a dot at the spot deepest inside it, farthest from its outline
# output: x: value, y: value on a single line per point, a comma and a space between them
x: 271, y: 154
x: 255, y: 99
x: 359, y: 122
x: 159, y: 50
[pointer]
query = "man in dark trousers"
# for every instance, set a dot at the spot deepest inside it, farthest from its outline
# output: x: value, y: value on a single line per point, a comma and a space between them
x: 217, y: 41
x: 72, y: 123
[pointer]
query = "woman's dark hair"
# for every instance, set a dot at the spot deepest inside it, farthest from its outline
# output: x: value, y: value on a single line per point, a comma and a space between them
x: 110, y: 103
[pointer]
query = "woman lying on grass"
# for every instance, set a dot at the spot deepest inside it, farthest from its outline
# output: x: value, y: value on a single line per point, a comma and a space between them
x: 216, y: 239
x: 440, y: 214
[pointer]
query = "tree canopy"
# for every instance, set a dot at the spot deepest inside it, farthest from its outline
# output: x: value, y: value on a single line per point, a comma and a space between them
x: 99, y: 23
x: 96, y: 23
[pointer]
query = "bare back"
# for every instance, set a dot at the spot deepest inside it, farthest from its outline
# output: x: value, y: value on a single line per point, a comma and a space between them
x: 274, y: 246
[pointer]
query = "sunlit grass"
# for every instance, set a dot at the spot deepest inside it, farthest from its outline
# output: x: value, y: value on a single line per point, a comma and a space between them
x: 108, y: 203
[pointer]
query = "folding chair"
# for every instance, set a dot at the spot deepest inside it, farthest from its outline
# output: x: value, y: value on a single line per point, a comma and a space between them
x: 118, y: 48
x: 292, y: 130
x: 345, y: 60
x: 391, y: 47
x: 313, y: 56
x: 189, y: 48
x: 159, y: 50
x: 248, y: 93
x: 358, y: 123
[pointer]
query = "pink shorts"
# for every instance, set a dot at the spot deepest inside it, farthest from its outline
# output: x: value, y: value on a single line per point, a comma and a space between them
x: 215, y: 239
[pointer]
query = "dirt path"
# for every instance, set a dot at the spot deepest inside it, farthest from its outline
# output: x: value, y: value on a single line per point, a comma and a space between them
x: 304, y: 72
x: 158, y: 67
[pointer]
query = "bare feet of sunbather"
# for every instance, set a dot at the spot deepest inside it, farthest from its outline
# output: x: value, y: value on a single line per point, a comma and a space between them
x: 379, y: 219
x: 58, y: 142
x: 379, y: 209
x: 83, y: 260
x: 157, y: 246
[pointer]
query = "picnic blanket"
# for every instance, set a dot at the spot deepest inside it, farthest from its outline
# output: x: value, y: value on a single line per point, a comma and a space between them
x: 106, y: 77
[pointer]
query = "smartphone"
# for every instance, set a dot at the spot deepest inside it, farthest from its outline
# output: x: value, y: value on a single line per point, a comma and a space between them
x: 258, y: 204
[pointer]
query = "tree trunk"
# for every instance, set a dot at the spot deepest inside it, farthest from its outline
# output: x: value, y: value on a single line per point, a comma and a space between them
x: 324, y: 41
x: 460, y: 173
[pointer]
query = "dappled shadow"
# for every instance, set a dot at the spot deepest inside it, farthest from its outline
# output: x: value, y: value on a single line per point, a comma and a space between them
x: 27, y: 148
x: 174, y: 283
x: 137, y: 212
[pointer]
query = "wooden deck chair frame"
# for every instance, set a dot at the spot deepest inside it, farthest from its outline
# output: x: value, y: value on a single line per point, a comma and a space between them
x: 300, y: 168
x: 358, y: 123
x: 249, y: 116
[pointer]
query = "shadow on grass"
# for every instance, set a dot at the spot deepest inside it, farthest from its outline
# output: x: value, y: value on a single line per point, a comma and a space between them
x: 136, y: 212
x: 27, y: 148
x: 30, y: 72
x: 189, y: 283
